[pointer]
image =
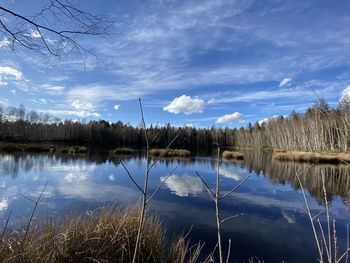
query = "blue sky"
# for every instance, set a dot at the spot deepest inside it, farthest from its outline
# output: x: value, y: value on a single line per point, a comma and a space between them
x: 200, y: 63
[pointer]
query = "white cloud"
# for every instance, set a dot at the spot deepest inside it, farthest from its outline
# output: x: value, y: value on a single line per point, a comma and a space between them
x: 76, y: 177
x: 3, y: 203
x: 13, y: 91
x: 10, y: 118
x: 230, y: 174
x: 289, y: 216
x: 284, y: 82
x: 43, y: 100
x: 111, y: 177
x: 230, y: 118
x: 4, y: 42
x: 53, y: 89
x: 35, y: 34
x: 79, y: 113
x: 2, y: 83
x: 116, y: 107
x: 96, y: 93
x: 265, y: 120
x: 10, y: 72
x: 185, y: 104
x: 302, y: 91
x: 183, y: 185
x: 82, y: 105
x: 345, y: 96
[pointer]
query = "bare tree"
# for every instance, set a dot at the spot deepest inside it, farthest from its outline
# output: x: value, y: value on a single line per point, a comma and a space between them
x: 146, y: 198
x: 53, y: 30
x: 216, y: 196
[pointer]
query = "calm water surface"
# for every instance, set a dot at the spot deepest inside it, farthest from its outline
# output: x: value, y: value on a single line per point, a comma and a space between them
x: 273, y: 226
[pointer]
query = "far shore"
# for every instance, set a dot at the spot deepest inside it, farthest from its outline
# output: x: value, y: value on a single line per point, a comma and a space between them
x: 278, y: 154
x: 312, y: 157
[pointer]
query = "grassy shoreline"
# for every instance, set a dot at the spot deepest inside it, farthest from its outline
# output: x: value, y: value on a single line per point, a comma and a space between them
x: 27, y: 147
x: 312, y: 157
x: 104, y: 235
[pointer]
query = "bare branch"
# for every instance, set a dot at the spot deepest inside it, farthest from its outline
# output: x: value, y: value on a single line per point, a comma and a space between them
x: 230, y: 217
x: 318, y: 214
x: 236, y: 187
x: 158, y: 134
x: 162, y: 153
x: 59, y: 20
x: 130, y: 176
x: 206, y: 186
x: 160, y: 185
x: 29, y: 199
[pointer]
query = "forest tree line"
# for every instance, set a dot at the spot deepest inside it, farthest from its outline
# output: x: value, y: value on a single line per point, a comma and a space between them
x: 17, y: 125
x: 320, y: 128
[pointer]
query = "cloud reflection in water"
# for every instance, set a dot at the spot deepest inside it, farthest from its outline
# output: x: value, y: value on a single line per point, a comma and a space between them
x: 183, y: 185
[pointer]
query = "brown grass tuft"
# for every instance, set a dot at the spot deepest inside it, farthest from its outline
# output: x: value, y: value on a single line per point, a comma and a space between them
x: 121, y: 151
x: 182, y: 153
x: 313, y: 157
x: 74, y: 149
x: 228, y: 155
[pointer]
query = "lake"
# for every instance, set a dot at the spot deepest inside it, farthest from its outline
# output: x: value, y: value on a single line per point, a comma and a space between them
x: 273, y: 225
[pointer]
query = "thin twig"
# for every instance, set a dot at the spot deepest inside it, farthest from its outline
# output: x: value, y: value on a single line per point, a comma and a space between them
x: 230, y: 217
x: 162, y: 153
x: 308, y: 212
x: 228, y: 251
x: 160, y: 185
x: 6, y: 224
x: 210, y: 192
x: 318, y: 214
x: 32, y: 215
x: 130, y: 176
x: 236, y: 187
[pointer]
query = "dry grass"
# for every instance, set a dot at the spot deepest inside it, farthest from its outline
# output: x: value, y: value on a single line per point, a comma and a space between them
x: 228, y: 155
x: 313, y: 157
x: 278, y: 150
x: 121, y: 151
x: 105, y: 235
x: 18, y: 147
x: 74, y: 149
x: 182, y: 153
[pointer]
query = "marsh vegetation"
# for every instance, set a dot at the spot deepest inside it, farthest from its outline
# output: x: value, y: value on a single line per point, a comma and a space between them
x: 230, y: 155
x: 121, y: 151
x: 103, y: 235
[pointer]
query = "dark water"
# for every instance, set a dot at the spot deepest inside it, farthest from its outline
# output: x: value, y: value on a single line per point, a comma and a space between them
x: 273, y: 226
